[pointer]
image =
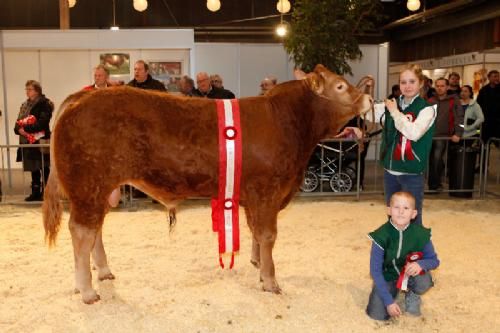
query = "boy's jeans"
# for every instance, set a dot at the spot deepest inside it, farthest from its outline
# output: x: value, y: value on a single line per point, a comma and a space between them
x: 418, y: 284
x: 410, y: 183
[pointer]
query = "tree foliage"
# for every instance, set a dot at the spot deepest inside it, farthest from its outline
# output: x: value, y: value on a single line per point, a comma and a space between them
x: 324, y: 32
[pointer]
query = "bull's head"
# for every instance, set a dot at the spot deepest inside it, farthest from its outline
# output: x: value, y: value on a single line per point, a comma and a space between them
x: 344, y: 100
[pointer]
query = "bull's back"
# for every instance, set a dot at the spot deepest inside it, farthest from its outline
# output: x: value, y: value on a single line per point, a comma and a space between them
x: 126, y: 133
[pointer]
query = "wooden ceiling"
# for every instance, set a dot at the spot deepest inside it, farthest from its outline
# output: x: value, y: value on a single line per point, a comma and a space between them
x: 237, y: 20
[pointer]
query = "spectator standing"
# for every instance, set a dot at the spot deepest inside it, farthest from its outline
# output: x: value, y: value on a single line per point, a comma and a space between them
x: 205, y: 88
x: 449, y: 122
x: 267, y: 84
x: 454, y: 84
x: 216, y: 81
x: 395, y: 92
x: 489, y: 100
x: 142, y: 78
x: 32, y: 125
x: 186, y: 85
x: 473, y: 115
x: 429, y: 93
x: 101, y: 77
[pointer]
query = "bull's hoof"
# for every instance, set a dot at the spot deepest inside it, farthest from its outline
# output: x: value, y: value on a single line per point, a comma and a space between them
x: 105, y: 274
x: 255, y: 263
x: 108, y: 276
x: 272, y: 288
x: 90, y: 298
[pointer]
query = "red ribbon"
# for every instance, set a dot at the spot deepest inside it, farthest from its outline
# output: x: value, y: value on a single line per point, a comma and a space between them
x: 403, y: 278
x: 408, y: 151
x: 225, y: 208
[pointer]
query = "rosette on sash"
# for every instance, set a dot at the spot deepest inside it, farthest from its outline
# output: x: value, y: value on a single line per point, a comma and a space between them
x: 225, y: 208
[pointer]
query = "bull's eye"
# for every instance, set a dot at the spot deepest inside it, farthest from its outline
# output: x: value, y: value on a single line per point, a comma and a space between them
x: 340, y: 86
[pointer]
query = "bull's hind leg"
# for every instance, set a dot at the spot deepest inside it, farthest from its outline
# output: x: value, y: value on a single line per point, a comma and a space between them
x: 264, y: 220
x: 255, y: 259
x: 100, y: 260
x: 84, y: 227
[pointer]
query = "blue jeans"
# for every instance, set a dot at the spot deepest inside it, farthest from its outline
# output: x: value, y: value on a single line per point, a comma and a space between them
x: 410, y: 183
x: 418, y: 284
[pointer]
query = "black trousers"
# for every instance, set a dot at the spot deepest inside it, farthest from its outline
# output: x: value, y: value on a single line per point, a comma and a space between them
x: 436, y: 164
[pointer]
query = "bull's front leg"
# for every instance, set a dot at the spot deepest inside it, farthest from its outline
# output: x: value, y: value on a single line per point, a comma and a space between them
x: 83, y: 239
x: 100, y: 259
x: 265, y: 233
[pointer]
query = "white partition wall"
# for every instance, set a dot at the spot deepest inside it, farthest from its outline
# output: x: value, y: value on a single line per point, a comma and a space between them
x: 243, y: 66
x: 63, y: 61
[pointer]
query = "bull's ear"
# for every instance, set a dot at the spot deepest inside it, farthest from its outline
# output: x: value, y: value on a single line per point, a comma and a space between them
x: 299, y: 75
x: 317, y: 82
x: 320, y: 69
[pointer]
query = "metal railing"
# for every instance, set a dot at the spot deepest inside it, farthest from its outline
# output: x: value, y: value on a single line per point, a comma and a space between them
x: 334, y: 170
x: 491, y: 165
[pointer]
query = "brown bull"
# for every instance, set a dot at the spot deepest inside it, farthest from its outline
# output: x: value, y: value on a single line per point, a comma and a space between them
x: 167, y: 146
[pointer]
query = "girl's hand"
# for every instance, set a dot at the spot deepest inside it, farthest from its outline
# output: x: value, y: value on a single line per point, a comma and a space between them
x: 391, y: 104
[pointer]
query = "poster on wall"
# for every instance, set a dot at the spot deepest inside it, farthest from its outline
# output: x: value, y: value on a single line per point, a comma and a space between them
x: 116, y: 63
x: 168, y: 72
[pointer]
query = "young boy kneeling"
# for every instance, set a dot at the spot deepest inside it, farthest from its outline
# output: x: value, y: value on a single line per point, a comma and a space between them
x: 401, y: 257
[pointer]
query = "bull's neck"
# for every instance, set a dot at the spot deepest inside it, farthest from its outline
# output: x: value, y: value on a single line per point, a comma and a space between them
x: 310, y: 121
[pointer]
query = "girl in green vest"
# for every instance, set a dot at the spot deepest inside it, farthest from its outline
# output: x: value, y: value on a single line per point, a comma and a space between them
x: 407, y: 139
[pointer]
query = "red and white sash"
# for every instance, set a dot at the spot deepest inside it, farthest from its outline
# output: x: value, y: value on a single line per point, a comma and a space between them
x: 225, y: 217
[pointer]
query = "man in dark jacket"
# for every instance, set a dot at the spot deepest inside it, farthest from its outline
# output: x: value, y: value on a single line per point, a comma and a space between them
x: 450, y: 115
x: 205, y: 89
x: 489, y: 100
x: 142, y: 78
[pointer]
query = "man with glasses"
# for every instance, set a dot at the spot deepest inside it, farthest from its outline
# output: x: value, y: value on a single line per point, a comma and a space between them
x: 205, y: 88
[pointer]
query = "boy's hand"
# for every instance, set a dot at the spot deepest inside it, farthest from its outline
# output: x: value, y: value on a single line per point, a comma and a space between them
x: 413, y: 269
x: 393, y: 310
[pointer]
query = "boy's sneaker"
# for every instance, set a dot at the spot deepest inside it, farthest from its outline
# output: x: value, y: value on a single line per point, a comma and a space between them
x: 412, y: 303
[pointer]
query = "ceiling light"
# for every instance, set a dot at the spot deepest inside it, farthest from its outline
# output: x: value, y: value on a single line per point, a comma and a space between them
x: 213, y: 5
x: 283, y: 6
x: 282, y: 29
x: 140, y: 5
x: 71, y: 3
x: 114, y: 27
x: 413, y: 5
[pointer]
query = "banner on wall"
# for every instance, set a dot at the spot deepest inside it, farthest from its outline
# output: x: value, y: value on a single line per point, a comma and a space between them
x: 168, y: 72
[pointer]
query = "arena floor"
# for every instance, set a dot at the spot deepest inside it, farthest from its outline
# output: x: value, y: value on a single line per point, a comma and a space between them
x: 172, y: 283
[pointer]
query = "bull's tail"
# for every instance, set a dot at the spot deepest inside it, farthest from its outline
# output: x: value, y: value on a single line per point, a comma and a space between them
x: 52, y: 209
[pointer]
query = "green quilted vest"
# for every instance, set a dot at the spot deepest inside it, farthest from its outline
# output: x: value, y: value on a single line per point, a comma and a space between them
x: 398, y: 244
x: 391, y: 139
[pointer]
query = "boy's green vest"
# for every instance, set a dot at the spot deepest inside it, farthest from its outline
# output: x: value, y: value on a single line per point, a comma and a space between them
x: 420, y: 149
x: 414, y: 238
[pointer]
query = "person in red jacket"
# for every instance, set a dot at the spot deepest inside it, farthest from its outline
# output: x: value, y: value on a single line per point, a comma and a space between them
x: 101, y: 78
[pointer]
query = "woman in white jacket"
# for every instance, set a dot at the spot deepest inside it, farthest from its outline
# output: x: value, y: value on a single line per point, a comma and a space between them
x: 473, y: 117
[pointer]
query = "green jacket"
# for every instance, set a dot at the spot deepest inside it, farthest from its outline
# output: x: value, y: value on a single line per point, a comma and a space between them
x: 416, y: 154
x: 398, y: 244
